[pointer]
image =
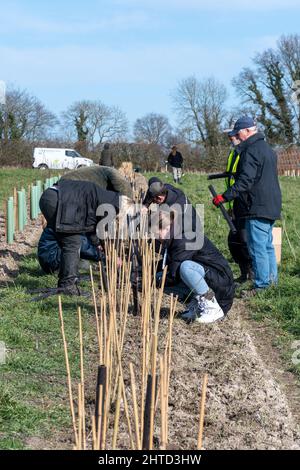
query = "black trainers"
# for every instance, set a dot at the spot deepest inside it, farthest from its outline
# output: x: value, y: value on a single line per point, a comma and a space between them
x: 72, y: 289
x: 248, y: 294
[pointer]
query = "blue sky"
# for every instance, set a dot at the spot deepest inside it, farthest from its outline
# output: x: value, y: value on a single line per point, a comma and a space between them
x: 132, y: 53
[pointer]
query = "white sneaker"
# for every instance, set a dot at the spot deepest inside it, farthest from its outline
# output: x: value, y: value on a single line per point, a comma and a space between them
x: 212, y: 311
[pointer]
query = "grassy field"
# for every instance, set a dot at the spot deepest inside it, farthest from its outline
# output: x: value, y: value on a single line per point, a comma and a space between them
x: 33, y: 381
x: 20, y: 177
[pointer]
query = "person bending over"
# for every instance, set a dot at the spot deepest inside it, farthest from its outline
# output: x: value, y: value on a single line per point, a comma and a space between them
x: 204, y: 272
x: 70, y: 210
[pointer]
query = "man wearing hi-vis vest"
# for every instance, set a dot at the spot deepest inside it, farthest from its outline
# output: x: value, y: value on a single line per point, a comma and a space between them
x: 237, y: 243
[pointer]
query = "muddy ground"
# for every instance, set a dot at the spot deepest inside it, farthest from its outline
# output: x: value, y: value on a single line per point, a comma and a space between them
x: 252, y: 402
x: 11, y: 254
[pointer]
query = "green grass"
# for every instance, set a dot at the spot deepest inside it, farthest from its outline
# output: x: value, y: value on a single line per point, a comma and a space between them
x: 33, y: 380
x: 20, y: 177
x: 33, y: 392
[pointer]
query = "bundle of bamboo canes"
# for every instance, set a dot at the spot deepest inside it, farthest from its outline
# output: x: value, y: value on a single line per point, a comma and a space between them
x: 150, y: 382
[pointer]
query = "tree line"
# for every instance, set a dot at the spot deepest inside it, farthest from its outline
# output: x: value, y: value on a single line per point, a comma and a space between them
x: 269, y: 90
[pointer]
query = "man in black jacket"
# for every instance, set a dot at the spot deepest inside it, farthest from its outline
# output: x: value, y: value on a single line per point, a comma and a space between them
x: 204, y: 272
x: 49, y: 251
x: 70, y: 209
x: 163, y: 193
x: 167, y: 196
x: 257, y: 188
x: 175, y: 160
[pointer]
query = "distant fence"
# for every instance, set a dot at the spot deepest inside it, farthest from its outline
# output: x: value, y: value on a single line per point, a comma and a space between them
x: 23, y: 206
x: 289, y: 163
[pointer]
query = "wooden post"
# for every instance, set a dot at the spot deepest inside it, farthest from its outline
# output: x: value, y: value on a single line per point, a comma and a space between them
x: 10, y: 220
x: 5, y: 218
x: 202, y: 410
x: 16, y: 210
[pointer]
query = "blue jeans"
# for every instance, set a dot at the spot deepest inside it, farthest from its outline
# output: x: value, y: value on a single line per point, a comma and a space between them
x: 193, y: 276
x: 261, y: 249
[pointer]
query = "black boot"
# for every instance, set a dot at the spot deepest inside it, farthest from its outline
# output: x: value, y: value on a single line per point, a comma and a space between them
x: 246, y: 274
x: 71, y: 289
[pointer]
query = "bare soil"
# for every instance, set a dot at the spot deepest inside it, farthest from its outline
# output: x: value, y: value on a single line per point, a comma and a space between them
x: 247, y: 407
x: 24, y: 243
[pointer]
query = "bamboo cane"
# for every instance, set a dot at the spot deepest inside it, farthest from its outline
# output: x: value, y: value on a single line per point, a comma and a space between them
x: 80, y: 418
x: 82, y: 376
x: 153, y: 373
x: 94, y: 434
x: 202, y: 410
x: 125, y: 398
x: 123, y: 326
x: 68, y: 369
x: 96, y: 311
x: 135, y: 407
x: 163, y: 403
x: 117, y: 415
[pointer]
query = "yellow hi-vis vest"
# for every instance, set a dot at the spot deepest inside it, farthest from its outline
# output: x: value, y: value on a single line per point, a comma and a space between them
x: 232, y: 164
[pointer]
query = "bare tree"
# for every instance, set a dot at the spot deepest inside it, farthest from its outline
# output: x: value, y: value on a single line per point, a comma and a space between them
x: 76, y: 120
x: 24, y: 116
x: 200, y: 106
x: 94, y: 122
x: 268, y: 87
x: 107, y: 123
x: 289, y: 49
x: 247, y: 86
x: 152, y: 129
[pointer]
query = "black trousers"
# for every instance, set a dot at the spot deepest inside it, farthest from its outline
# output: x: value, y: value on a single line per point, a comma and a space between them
x: 237, y: 244
x: 69, y: 243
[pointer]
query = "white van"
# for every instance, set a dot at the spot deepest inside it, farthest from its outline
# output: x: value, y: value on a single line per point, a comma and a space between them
x: 58, y: 159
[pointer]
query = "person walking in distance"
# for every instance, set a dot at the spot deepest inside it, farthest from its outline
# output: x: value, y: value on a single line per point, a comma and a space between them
x: 107, y: 158
x: 175, y: 160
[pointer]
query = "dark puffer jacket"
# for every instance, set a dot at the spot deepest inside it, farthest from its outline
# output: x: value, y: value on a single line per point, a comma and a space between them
x: 77, y: 205
x: 218, y: 274
x: 256, y: 181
